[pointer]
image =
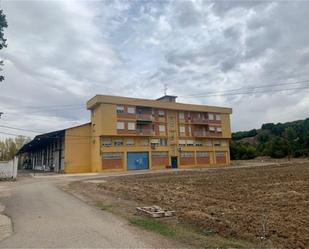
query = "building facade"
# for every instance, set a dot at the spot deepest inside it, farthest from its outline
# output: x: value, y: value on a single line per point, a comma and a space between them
x: 131, y: 134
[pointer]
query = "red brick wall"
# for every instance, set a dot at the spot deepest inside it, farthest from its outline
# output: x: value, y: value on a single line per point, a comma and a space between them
x: 221, y: 159
x: 159, y: 161
x: 187, y: 160
x: 126, y: 115
x: 187, y: 130
x: 202, y: 160
x: 214, y: 121
x: 112, y: 163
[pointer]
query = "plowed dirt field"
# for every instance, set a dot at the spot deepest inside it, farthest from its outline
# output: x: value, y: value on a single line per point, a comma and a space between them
x: 269, y: 203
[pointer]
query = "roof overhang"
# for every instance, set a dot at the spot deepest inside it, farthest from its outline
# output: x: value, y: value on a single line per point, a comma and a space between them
x: 41, y: 140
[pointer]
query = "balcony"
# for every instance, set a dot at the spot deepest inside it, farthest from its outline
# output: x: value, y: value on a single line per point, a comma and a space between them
x: 201, y: 133
x: 145, y: 132
x: 144, y: 118
x: 200, y: 121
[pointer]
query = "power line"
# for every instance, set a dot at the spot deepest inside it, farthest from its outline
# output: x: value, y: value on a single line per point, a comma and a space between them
x: 305, y: 82
x: 249, y: 92
x: 10, y: 134
x: 42, y: 134
x: 20, y: 129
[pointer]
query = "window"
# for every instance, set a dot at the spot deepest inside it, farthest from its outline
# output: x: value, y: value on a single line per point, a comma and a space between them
x: 162, y: 128
x: 186, y: 154
x: 118, y: 142
x: 144, y: 142
x: 202, y: 154
x: 219, y: 129
x: 211, y: 128
x: 198, y: 143
x: 220, y: 154
x: 112, y: 155
x: 190, y: 143
x: 163, y: 141
x: 159, y: 154
x: 209, y: 143
x: 106, y: 141
x: 189, y: 129
x: 131, y: 126
x: 129, y: 141
x: 120, y: 109
x: 182, y: 129
x: 120, y: 125
x: 217, y: 143
x: 181, y: 115
x: 182, y: 142
x: 218, y: 117
x: 223, y: 142
x: 210, y: 116
x: 161, y: 113
x: 154, y: 141
x: 131, y: 109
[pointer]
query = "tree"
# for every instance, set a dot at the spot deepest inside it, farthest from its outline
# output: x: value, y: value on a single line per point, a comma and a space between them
x: 3, y: 25
x: 242, y: 151
x: 277, y: 148
x: 9, y: 147
x: 290, y: 137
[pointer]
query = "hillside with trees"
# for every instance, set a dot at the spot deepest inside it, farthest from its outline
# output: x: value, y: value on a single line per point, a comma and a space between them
x: 279, y: 140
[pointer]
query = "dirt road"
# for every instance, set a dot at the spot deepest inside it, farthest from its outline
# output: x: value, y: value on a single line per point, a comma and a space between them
x: 45, y: 216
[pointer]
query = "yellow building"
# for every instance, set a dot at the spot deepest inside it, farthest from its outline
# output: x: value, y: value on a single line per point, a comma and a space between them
x: 130, y: 134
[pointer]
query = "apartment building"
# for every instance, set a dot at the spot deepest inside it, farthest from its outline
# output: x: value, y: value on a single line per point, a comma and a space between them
x: 130, y: 134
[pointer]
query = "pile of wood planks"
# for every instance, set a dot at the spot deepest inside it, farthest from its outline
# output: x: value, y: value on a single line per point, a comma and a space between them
x: 154, y: 212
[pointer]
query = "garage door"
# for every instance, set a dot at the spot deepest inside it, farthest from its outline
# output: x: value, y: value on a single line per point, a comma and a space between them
x: 137, y: 160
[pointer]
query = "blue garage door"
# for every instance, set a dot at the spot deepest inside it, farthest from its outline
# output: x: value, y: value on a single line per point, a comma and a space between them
x: 137, y: 160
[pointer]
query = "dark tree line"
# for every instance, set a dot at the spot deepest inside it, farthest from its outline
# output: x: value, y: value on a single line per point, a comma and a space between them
x: 276, y: 140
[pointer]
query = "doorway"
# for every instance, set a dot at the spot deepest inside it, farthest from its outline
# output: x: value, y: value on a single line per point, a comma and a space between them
x: 174, y: 162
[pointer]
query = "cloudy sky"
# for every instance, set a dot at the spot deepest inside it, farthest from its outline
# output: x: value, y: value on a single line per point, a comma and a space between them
x: 61, y: 53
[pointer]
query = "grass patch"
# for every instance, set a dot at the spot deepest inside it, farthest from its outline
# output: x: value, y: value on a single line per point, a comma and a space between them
x: 153, y: 225
x: 105, y: 207
x: 188, y: 234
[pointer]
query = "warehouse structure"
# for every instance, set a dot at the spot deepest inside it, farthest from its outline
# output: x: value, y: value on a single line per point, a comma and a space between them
x: 130, y: 134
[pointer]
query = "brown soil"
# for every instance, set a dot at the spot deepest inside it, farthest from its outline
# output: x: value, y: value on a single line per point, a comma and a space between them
x: 260, y: 203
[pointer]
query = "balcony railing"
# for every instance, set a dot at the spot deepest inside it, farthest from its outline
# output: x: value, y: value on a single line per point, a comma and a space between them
x: 200, y: 121
x: 201, y: 133
x: 144, y: 117
x: 207, y: 134
x: 145, y: 132
x: 205, y: 121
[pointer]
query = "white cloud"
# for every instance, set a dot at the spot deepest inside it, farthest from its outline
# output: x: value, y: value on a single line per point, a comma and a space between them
x: 64, y: 52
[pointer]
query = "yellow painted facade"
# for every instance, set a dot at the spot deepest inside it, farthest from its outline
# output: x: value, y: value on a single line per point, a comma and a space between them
x: 104, y: 118
x: 129, y: 133
x: 77, y: 142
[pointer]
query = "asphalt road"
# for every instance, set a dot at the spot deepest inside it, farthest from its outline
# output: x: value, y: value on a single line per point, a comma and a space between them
x: 45, y: 216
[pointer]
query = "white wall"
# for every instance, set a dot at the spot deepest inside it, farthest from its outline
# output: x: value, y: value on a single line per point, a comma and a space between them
x: 8, y: 169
